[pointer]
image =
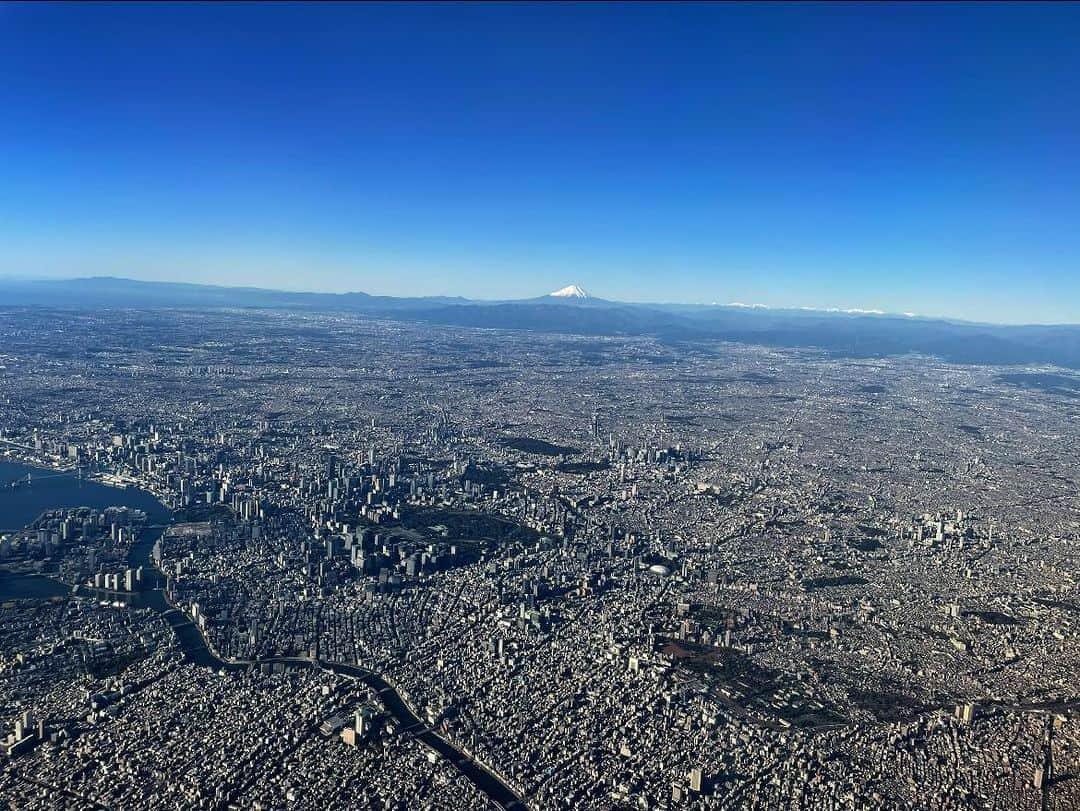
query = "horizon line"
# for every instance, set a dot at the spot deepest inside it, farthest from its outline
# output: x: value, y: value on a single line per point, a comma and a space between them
x: 876, y: 312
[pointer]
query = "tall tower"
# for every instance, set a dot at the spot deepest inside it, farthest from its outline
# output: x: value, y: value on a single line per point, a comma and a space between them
x: 696, y: 779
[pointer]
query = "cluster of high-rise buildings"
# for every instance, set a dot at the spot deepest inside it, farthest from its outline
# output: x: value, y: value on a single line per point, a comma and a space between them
x: 585, y: 574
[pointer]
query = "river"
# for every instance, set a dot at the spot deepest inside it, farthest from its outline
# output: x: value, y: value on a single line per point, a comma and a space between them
x: 48, y: 490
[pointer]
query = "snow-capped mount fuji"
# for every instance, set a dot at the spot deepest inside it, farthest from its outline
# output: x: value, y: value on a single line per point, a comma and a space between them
x: 570, y: 291
x: 573, y: 296
x: 572, y: 311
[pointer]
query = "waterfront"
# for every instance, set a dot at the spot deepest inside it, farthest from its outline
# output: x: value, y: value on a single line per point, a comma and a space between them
x: 49, y: 490
x: 20, y: 586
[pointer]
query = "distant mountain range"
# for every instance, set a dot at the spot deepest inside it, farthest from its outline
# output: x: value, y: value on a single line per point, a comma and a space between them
x: 572, y: 310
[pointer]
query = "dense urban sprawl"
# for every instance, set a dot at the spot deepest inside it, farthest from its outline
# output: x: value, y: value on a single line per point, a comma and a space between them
x: 408, y: 566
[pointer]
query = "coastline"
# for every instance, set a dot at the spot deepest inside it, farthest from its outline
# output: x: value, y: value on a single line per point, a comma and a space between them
x: 198, y: 649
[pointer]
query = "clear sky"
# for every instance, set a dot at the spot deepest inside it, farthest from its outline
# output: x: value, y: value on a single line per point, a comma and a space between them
x: 921, y: 158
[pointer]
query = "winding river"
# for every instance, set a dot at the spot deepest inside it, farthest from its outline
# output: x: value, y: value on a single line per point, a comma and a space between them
x: 47, y: 489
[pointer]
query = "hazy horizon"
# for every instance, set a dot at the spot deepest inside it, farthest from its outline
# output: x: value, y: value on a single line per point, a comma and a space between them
x: 905, y: 158
x: 539, y: 295
x: 540, y: 406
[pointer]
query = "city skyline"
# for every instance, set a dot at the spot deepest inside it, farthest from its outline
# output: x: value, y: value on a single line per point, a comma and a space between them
x: 897, y: 158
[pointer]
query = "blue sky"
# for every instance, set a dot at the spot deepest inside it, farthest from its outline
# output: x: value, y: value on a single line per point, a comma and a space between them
x: 914, y: 158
